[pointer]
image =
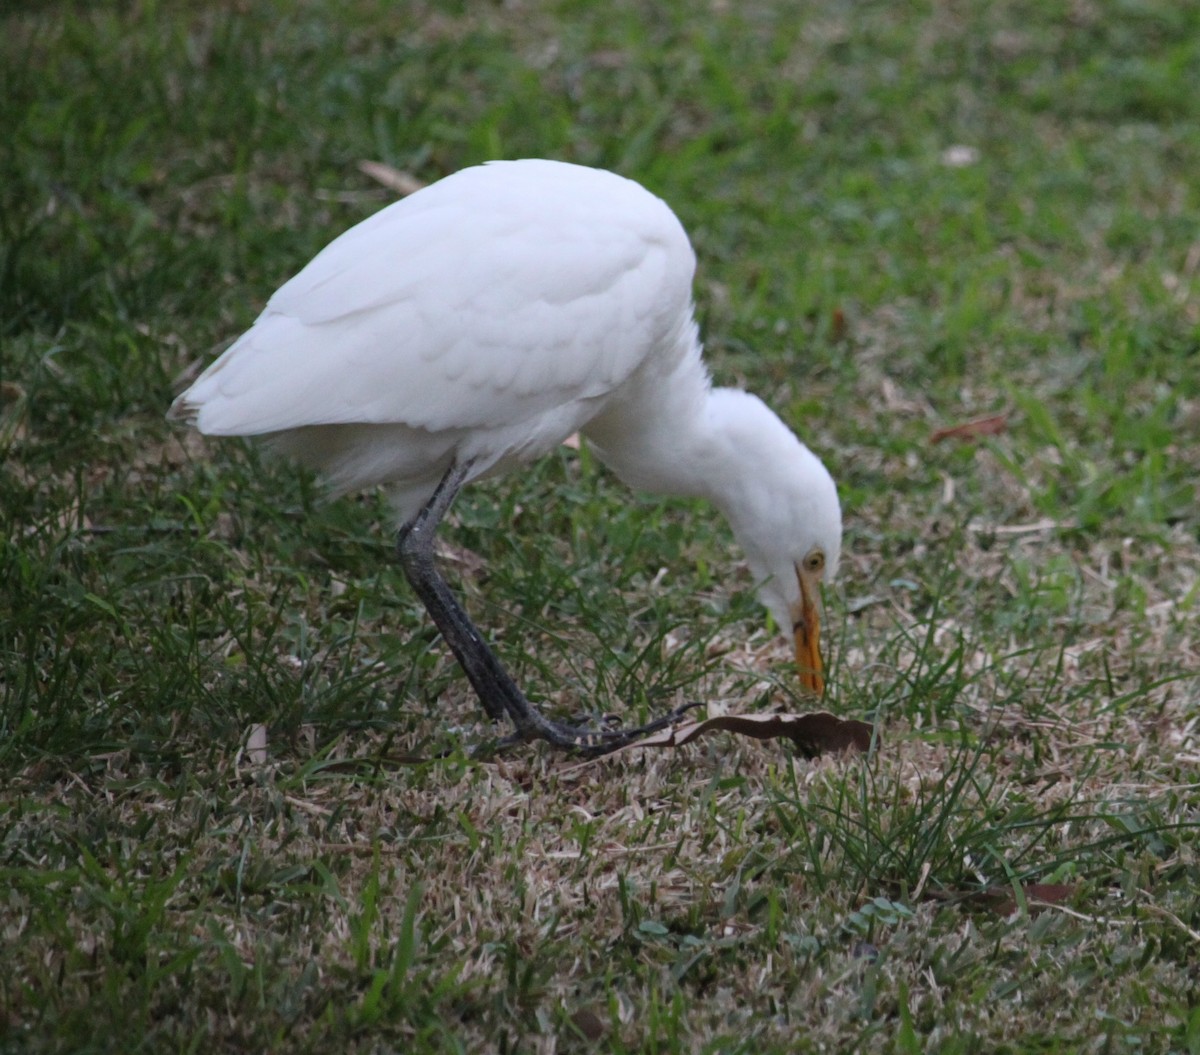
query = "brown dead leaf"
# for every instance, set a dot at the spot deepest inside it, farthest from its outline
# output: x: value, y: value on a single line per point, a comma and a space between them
x: 1000, y: 899
x: 590, y: 1024
x: 610, y: 59
x: 403, y: 183
x: 837, y: 326
x: 993, y: 425
x: 813, y: 734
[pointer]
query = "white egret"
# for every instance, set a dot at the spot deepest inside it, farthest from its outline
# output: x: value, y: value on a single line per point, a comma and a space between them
x: 474, y: 326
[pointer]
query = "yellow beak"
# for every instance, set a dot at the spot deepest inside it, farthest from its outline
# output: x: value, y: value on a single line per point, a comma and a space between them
x: 806, y: 626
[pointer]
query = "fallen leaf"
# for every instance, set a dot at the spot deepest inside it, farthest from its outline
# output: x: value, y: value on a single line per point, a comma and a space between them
x: 969, y: 430
x: 610, y: 59
x: 256, y: 745
x: 1000, y: 899
x: 589, y: 1023
x: 813, y: 734
x: 837, y: 326
x: 403, y: 183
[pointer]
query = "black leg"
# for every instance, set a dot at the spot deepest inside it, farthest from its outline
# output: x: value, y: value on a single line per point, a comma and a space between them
x: 495, y: 688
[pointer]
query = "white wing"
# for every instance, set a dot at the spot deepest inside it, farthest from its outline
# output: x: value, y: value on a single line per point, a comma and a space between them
x: 480, y: 302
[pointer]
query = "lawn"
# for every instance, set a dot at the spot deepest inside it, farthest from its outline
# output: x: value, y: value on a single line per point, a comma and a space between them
x: 240, y: 808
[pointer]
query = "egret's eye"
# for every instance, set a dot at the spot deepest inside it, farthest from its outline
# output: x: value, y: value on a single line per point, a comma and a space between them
x: 815, y: 561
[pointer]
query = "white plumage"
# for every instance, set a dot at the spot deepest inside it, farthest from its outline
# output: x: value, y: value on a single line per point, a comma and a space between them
x: 479, y: 322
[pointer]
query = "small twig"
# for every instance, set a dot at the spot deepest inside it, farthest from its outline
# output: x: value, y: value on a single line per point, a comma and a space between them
x: 1167, y: 914
x: 1109, y: 921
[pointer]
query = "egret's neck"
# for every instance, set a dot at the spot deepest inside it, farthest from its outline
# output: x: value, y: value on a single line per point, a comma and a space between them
x: 655, y: 431
x: 673, y: 433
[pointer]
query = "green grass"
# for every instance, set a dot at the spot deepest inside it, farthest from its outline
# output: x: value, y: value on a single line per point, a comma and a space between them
x: 1018, y: 614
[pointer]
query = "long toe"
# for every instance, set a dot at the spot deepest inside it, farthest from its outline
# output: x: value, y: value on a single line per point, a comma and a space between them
x: 593, y: 741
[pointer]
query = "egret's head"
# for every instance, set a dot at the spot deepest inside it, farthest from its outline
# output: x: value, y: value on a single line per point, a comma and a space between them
x: 799, y: 553
x: 786, y: 516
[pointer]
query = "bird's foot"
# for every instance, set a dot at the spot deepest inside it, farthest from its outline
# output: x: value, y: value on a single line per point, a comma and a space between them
x: 587, y: 739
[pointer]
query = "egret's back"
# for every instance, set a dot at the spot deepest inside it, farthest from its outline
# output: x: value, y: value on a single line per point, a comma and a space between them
x: 487, y: 316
